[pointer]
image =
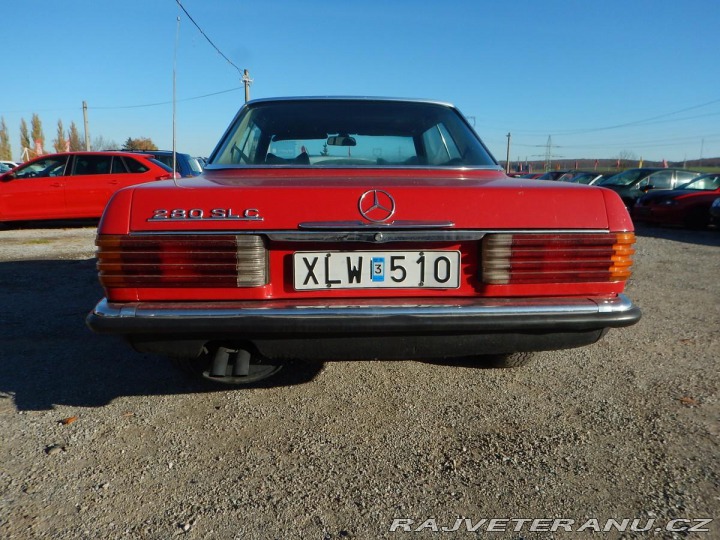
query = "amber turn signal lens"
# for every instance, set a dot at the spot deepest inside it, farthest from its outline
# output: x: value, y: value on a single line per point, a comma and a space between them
x: 622, y: 257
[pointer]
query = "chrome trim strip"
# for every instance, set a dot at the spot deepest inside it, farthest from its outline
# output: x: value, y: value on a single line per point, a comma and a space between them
x: 300, y: 309
x: 288, y: 234
x: 454, y: 168
x: 364, y: 225
x: 378, y: 237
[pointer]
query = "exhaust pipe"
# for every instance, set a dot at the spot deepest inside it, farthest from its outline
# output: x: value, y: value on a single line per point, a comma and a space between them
x: 238, y: 358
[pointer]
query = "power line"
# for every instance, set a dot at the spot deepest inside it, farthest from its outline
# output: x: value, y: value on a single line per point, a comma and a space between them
x: 635, y: 143
x: 169, y: 102
x: 646, y: 121
x: 207, y: 38
x: 138, y: 106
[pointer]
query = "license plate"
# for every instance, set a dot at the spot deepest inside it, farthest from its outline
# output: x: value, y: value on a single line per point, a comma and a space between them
x: 315, y: 270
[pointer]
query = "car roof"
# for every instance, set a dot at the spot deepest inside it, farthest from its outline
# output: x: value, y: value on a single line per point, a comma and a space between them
x: 154, y: 152
x: 91, y: 153
x: 350, y: 98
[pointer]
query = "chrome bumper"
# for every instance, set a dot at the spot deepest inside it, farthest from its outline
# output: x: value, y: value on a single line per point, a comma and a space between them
x: 361, y: 329
x: 349, y: 317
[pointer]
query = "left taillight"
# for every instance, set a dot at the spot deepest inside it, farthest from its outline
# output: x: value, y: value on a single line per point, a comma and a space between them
x: 182, y: 261
x: 528, y: 258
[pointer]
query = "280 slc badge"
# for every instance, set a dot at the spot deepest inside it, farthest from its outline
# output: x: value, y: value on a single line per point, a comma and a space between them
x: 216, y: 214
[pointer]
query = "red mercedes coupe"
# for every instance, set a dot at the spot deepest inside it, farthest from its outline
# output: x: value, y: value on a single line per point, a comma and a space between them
x: 359, y: 228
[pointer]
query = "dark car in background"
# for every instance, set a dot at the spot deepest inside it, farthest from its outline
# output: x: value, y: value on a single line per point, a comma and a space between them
x: 715, y: 212
x: 632, y: 184
x: 185, y: 164
x: 573, y: 175
x: 553, y: 175
x: 584, y: 177
x: 524, y: 174
x: 688, y: 206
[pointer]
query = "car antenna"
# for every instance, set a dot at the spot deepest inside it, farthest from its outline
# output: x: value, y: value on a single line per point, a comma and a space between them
x: 174, y: 101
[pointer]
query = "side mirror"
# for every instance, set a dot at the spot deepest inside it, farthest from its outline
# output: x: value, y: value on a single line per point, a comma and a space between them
x: 647, y: 188
x: 7, y: 177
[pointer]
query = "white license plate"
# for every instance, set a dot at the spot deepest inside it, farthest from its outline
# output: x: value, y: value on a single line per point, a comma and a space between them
x: 317, y: 270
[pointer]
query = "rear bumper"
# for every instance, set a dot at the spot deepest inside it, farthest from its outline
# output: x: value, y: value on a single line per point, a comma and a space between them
x: 373, y: 328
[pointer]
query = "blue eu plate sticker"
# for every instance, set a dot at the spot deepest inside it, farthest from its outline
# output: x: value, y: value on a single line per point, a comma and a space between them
x: 378, y: 268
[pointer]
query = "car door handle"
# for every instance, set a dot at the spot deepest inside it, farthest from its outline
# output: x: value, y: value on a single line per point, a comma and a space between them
x: 56, y: 184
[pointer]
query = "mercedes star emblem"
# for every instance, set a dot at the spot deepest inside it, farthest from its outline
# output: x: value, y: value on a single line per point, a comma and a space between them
x: 376, y: 205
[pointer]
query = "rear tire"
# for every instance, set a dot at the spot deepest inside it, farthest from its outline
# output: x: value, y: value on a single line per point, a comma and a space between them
x: 698, y: 219
x: 514, y: 360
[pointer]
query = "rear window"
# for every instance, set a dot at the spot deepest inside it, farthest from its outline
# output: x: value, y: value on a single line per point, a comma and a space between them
x: 135, y: 166
x: 327, y: 133
x: 160, y: 164
x: 625, y: 178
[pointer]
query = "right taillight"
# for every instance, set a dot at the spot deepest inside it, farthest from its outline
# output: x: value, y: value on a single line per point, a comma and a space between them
x: 182, y: 261
x: 527, y: 258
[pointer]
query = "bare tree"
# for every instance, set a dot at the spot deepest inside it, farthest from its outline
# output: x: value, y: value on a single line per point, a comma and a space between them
x: 99, y: 143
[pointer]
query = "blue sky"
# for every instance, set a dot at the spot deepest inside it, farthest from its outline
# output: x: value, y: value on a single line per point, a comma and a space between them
x: 631, y: 78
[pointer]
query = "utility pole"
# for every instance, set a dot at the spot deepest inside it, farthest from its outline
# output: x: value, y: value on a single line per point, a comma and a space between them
x: 548, y: 154
x: 507, y: 158
x: 247, y: 81
x: 87, y: 133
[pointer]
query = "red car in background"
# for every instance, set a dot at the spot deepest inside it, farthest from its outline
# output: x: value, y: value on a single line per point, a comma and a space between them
x: 72, y: 185
x: 359, y: 228
x: 687, y: 206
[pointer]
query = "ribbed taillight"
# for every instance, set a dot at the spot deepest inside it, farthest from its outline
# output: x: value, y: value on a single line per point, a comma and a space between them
x: 182, y: 261
x: 556, y: 258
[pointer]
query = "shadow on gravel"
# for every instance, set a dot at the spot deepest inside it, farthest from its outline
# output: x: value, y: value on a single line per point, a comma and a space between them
x: 470, y: 362
x: 49, y: 357
x: 706, y: 237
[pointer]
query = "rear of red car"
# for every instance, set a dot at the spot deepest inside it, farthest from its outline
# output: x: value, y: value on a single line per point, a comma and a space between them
x: 72, y: 185
x: 390, y: 233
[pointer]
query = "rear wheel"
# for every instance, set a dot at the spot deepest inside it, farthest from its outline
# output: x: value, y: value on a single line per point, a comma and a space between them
x: 698, y: 219
x: 511, y: 360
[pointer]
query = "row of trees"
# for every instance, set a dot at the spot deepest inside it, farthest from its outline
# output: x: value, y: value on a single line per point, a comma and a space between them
x: 32, y: 140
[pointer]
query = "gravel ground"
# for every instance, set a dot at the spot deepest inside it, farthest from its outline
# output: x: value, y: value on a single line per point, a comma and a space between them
x: 100, y: 442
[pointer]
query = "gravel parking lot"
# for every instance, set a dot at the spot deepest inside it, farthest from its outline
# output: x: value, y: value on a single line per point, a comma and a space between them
x: 100, y: 442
